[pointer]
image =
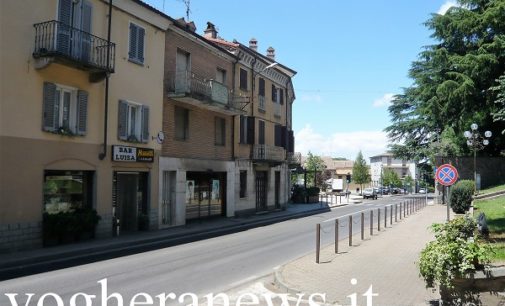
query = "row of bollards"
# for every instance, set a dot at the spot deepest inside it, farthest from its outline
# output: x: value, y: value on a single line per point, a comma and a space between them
x: 401, y: 210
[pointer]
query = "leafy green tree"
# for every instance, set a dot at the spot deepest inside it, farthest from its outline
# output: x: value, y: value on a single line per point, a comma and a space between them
x: 315, y: 166
x: 452, y: 84
x: 409, y: 182
x: 360, y: 171
x: 390, y: 178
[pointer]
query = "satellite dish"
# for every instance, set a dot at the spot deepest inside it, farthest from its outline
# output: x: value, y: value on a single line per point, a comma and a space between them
x: 160, y: 137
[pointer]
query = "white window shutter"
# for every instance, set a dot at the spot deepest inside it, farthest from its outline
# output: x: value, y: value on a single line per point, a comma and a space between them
x: 49, y: 108
x: 145, y: 124
x: 82, y: 112
x: 122, y: 122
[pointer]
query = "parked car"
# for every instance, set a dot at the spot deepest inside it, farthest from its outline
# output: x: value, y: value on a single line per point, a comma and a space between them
x: 369, y: 193
x: 422, y: 190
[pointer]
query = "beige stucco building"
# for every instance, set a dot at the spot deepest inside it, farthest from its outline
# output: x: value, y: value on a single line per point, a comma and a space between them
x: 68, y: 137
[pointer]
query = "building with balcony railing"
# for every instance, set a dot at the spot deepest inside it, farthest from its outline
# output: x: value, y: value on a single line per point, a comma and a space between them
x: 264, y: 135
x: 92, y: 99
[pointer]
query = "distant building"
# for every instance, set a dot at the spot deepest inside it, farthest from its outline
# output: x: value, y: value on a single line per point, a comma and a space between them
x: 387, y: 161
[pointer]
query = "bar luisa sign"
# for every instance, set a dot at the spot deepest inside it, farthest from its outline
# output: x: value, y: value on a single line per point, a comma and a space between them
x: 132, y: 154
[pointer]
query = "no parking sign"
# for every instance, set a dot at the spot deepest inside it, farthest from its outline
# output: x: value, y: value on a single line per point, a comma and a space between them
x: 446, y: 175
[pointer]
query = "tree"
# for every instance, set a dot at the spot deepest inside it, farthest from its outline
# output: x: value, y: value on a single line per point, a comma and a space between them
x: 314, y: 165
x: 453, y: 82
x: 360, y: 171
x: 390, y: 178
x: 409, y: 182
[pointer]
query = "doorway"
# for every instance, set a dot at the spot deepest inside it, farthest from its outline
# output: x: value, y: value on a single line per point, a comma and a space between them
x: 131, y: 201
x: 261, y: 190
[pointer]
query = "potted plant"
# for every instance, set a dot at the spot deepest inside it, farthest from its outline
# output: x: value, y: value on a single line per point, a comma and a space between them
x: 455, y: 252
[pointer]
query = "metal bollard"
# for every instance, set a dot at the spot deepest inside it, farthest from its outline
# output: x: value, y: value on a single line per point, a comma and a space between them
x: 362, y: 226
x: 350, y: 230
x: 404, y: 210
x: 336, y: 236
x: 371, y: 222
x: 385, y: 217
x: 391, y: 216
x: 378, y: 219
x: 396, y: 212
x: 318, y: 241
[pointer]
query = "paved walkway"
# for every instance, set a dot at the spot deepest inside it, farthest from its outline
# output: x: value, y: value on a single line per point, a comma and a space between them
x: 386, y: 262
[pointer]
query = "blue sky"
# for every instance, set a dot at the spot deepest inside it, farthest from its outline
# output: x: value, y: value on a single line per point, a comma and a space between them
x: 351, y: 58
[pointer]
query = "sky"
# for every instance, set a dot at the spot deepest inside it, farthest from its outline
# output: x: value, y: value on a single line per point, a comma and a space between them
x: 351, y: 58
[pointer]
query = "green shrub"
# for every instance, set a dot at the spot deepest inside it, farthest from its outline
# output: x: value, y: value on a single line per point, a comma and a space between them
x: 69, y: 226
x: 313, y: 191
x: 461, y: 196
x: 455, y: 252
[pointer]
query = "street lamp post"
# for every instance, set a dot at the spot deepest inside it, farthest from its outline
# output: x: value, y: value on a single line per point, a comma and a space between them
x: 477, y: 142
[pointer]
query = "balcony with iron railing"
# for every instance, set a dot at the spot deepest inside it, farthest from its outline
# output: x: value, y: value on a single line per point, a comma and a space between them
x: 294, y: 158
x: 189, y: 87
x: 268, y: 153
x: 57, y: 41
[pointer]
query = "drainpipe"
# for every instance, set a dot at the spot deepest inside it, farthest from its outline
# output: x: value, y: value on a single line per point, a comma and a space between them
x: 235, y: 116
x: 103, y: 154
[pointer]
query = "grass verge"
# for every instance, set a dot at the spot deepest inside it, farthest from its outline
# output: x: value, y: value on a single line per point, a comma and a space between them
x: 495, y: 216
x: 492, y: 189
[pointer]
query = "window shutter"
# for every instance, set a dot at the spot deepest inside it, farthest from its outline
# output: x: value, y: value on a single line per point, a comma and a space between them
x: 284, y: 135
x: 145, y: 124
x: 274, y: 94
x: 49, y: 106
x: 140, y: 47
x: 277, y: 135
x: 122, y: 132
x: 82, y: 112
x: 65, y: 12
x: 261, y: 88
x: 64, y: 17
x: 281, y: 92
x: 261, y: 130
x: 133, y: 42
x: 250, y: 130
x: 291, y: 146
x: 243, y: 129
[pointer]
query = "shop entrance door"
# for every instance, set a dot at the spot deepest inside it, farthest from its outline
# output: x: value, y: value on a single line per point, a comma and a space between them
x: 277, y: 189
x: 127, y: 186
x: 261, y: 190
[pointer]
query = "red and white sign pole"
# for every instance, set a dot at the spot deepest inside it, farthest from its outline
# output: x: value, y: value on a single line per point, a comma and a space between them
x: 447, y: 175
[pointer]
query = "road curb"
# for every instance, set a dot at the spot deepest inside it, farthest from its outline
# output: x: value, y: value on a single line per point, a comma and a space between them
x: 68, y: 258
x: 281, y: 285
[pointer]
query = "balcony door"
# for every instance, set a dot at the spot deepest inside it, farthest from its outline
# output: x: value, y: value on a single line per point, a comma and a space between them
x: 182, y: 72
x: 74, y: 28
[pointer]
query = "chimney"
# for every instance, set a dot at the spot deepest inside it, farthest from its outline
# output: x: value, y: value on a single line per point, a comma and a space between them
x: 211, y: 31
x: 271, y: 53
x: 253, y: 44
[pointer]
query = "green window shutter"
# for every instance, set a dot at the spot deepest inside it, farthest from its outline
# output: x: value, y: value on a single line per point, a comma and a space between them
x: 49, y: 108
x: 145, y: 124
x: 122, y: 122
x: 82, y: 112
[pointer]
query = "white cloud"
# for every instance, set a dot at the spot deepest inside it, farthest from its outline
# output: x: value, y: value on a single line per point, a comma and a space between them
x: 311, y: 98
x: 341, y: 144
x: 385, y: 100
x: 446, y: 6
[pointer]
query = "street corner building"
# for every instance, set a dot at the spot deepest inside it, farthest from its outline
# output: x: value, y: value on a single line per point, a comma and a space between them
x: 118, y: 118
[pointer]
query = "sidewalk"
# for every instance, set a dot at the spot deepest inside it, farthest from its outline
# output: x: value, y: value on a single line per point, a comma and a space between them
x: 387, y: 262
x: 46, y: 259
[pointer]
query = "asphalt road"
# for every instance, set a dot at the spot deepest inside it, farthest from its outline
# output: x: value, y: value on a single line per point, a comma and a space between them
x: 201, y: 267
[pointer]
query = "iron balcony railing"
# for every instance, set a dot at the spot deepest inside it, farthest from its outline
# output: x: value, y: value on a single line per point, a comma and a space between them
x: 57, y: 39
x: 201, y: 88
x: 294, y: 158
x: 268, y: 153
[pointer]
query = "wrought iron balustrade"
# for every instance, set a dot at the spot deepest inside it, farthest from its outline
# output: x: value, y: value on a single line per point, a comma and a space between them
x: 268, y: 153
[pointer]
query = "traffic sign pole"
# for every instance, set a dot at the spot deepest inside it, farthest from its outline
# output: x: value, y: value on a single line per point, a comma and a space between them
x: 447, y: 175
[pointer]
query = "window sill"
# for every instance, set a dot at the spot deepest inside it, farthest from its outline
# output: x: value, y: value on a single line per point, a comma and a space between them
x: 64, y: 133
x: 262, y: 111
x: 135, y: 61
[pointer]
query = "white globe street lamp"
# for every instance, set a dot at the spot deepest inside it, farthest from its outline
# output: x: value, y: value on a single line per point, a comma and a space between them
x: 476, y: 142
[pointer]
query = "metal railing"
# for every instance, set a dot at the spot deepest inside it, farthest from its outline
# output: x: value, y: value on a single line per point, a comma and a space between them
x: 56, y: 39
x: 294, y: 158
x: 266, y: 152
x: 390, y: 212
x: 201, y: 88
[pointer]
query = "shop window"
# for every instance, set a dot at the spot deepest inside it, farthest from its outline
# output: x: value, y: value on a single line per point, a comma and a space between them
x: 66, y: 191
